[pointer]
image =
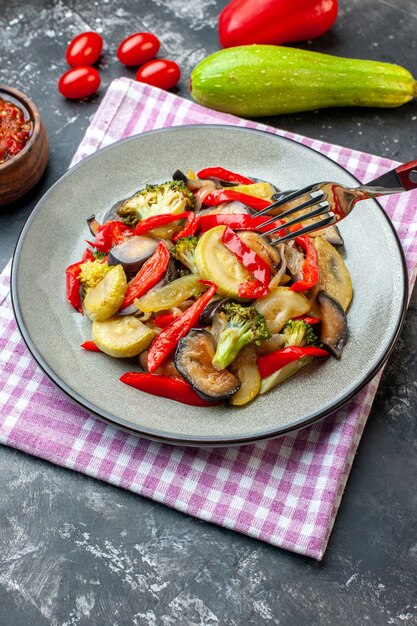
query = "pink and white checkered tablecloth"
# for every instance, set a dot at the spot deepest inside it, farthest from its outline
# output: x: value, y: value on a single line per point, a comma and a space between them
x: 285, y: 491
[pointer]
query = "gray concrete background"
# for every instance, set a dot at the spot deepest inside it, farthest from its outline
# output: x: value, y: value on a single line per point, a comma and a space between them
x: 74, y: 551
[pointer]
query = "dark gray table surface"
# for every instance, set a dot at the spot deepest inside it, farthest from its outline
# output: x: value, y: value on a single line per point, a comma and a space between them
x: 75, y: 551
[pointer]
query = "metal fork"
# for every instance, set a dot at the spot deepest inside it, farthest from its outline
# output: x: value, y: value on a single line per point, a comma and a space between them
x: 334, y: 201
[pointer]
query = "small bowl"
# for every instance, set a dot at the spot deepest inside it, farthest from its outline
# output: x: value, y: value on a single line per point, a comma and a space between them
x: 22, y: 171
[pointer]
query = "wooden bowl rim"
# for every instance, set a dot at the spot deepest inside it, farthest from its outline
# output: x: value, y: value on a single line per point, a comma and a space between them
x: 36, y: 120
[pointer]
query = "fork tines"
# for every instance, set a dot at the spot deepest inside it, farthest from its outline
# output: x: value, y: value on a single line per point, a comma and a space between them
x: 327, y: 221
x: 322, y: 208
x: 309, y: 197
x: 315, y: 194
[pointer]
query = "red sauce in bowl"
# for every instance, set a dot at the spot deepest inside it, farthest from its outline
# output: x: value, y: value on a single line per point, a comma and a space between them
x: 15, y: 130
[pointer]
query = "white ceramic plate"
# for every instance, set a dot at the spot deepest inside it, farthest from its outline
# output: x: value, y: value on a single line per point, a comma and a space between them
x: 54, y: 235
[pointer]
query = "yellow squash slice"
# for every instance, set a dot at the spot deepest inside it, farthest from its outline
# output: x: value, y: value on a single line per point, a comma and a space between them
x: 244, y: 367
x: 281, y: 305
x: 215, y: 262
x: 106, y: 298
x: 170, y: 295
x: 259, y: 190
x: 123, y: 336
x: 334, y: 275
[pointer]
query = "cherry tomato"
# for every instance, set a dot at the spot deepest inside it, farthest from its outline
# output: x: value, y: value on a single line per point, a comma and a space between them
x: 138, y: 49
x: 79, y: 82
x: 160, y: 73
x: 84, y: 49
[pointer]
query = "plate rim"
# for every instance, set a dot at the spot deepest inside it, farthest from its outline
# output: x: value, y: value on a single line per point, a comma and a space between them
x: 192, y: 440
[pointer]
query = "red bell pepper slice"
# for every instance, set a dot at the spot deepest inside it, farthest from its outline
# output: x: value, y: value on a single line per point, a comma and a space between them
x: 88, y: 255
x: 270, y: 363
x: 310, y: 269
x: 308, y: 319
x: 164, y: 319
x: 72, y: 280
x: 190, y: 227
x: 219, y: 196
x: 73, y: 285
x: 222, y: 174
x: 155, y: 221
x: 252, y: 262
x: 238, y: 222
x: 167, y: 340
x: 90, y: 346
x: 111, y: 234
x: 149, y: 274
x: 165, y: 387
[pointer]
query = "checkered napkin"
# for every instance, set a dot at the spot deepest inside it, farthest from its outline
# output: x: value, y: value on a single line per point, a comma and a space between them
x: 285, y: 491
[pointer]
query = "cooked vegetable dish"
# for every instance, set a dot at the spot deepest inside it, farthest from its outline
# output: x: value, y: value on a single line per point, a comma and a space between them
x: 15, y: 130
x: 188, y: 280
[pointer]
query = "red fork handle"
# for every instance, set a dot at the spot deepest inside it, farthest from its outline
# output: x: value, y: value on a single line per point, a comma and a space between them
x: 402, y: 178
x: 407, y: 173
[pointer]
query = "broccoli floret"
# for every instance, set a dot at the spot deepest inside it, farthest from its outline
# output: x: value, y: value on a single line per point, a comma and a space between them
x: 170, y: 197
x: 99, y: 255
x: 242, y: 325
x: 298, y: 333
x: 184, y: 251
x: 92, y: 272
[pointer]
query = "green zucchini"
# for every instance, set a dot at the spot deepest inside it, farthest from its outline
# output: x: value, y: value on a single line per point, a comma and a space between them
x: 270, y: 80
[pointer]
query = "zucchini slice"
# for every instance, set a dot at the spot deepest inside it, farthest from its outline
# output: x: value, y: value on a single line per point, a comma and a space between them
x: 334, y: 275
x: 122, y: 337
x: 170, y: 295
x: 244, y: 367
x: 259, y: 190
x: 284, y: 373
x: 281, y: 305
x: 107, y: 297
x: 215, y: 262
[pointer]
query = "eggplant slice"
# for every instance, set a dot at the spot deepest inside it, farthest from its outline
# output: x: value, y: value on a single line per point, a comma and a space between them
x: 206, y: 317
x: 230, y: 208
x: 93, y: 225
x: 333, y: 324
x: 178, y: 175
x: 193, y: 183
x: 333, y: 236
x: 261, y: 246
x: 193, y: 359
x: 132, y: 253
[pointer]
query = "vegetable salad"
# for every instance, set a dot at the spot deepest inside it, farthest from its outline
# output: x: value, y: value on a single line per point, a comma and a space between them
x: 190, y: 282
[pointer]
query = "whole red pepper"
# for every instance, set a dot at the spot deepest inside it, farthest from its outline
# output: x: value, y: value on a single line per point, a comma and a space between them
x: 270, y: 363
x: 238, y: 222
x: 252, y: 262
x: 110, y: 234
x: 276, y: 22
x: 167, y: 340
x: 149, y: 274
x: 222, y: 174
x: 310, y: 269
x: 219, y: 196
x: 164, y: 387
